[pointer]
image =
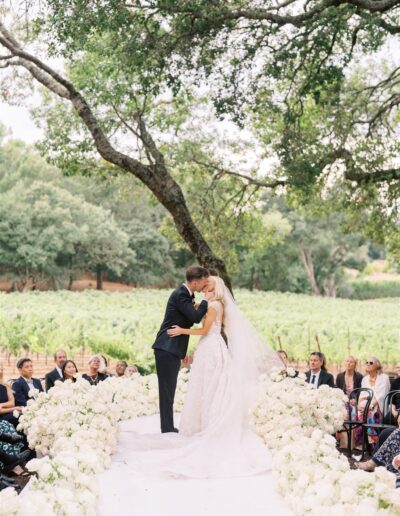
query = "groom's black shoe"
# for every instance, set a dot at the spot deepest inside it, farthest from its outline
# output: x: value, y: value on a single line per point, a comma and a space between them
x: 175, y: 430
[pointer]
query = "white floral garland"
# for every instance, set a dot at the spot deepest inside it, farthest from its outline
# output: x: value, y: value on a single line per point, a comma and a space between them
x: 297, y: 423
x: 76, y: 427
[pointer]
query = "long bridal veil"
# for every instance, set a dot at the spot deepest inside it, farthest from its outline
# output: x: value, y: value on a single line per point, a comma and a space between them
x: 250, y: 355
x: 224, y: 394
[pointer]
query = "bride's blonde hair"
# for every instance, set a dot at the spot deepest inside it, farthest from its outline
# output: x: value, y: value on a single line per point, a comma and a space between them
x: 219, y: 288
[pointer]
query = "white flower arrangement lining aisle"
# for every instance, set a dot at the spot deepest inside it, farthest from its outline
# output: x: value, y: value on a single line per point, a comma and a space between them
x: 76, y: 427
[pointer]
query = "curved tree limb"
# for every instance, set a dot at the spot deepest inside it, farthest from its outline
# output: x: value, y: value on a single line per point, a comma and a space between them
x: 155, y: 176
x: 251, y: 180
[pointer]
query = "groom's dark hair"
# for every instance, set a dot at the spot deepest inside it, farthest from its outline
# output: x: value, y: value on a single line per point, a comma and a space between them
x: 195, y: 272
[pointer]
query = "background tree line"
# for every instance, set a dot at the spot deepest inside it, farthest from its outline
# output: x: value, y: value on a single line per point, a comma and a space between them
x: 129, y: 99
x: 55, y: 228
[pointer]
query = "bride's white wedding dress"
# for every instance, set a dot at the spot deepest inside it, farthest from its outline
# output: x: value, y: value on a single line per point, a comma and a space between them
x: 215, y: 439
x: 211, y: 467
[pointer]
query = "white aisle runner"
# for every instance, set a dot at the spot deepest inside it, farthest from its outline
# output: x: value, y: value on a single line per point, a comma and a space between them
x: 125, y: 493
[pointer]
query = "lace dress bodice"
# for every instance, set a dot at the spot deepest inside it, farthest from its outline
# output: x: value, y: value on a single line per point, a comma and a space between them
x: 217, y: 324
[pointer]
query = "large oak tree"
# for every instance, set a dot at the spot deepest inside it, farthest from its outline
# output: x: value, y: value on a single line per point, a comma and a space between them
x: 128, y: 105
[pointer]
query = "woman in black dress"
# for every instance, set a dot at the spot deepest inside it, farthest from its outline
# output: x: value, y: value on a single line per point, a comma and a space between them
x: 7, y: 402
x: 349, y: 379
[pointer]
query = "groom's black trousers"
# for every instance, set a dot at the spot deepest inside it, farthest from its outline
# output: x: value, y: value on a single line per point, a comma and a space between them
x: 167, y: 366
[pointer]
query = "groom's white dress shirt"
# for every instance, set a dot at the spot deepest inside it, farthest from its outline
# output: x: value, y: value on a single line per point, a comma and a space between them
x: 190, y: 292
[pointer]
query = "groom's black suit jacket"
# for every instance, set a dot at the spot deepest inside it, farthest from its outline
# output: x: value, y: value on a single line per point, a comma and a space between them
x: 180, y: 311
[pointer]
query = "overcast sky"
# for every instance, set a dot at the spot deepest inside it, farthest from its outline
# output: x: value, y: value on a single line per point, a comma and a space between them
x: 19, y: 121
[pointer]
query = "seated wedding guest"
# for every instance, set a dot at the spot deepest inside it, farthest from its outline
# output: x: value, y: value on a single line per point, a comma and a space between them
x: 120, y: 368
x: 69, y: 371
x: 60, y: 357
x: 396, y: 383
x: 96, y: 364
x: 389, y: 450
x: 379, y: 383
x: 285, y: 359
x: 393, y: 417
x: 7, y: 402
x: 11, y: 449
x: 350, y: 378
x: 130, y: 370
x: 318, y: 375
x: 25, y: 382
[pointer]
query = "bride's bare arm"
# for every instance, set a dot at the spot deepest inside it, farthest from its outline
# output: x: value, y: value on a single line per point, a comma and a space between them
x: 209, y: 319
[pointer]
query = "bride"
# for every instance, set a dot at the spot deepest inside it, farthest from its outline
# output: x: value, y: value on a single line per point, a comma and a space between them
x: 215, y: 438
x: 213, y: 398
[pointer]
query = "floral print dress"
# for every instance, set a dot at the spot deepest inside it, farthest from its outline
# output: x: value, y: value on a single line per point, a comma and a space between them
x: 11, y: 449
x: 7, y: 428
x: 388, y: 451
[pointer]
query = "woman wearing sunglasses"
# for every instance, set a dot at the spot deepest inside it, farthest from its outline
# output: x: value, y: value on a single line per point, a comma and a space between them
x: 379, y: 383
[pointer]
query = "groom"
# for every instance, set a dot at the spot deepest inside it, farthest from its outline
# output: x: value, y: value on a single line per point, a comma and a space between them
x: 169, y: 351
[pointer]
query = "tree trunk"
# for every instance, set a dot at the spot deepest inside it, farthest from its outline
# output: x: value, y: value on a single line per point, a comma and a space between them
x: 330, y: 287
x: 309, y: 267
x: 99, y: 279
x: 70, y: 282
x: 252, y: 279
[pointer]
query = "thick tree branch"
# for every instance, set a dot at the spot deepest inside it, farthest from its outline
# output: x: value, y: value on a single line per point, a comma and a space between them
x: 352, y: 173
x: 155, y: 176
x: 150, y: 145
x: 376, y: 176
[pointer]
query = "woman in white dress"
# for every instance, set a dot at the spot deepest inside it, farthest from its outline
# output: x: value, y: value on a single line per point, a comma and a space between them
x: 215, y: 438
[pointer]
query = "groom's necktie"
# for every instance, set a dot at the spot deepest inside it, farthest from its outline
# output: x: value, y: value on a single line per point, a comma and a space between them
x: 313, y: 379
